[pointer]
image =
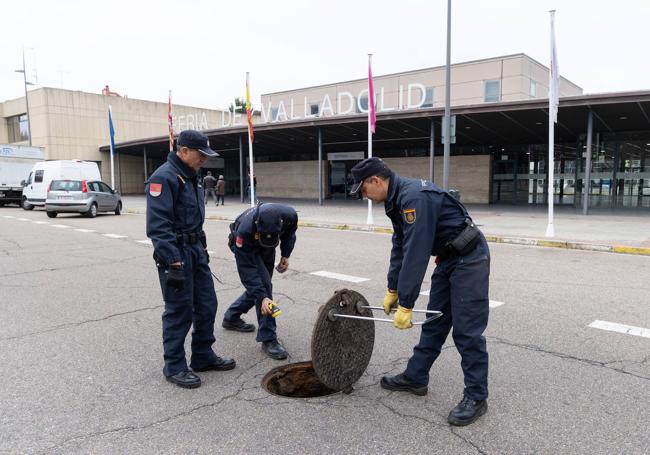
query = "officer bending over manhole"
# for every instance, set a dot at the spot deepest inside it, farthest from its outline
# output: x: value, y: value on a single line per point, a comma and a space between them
x: 427, y: 221
x: 253, y: 238
x: 175, y: 215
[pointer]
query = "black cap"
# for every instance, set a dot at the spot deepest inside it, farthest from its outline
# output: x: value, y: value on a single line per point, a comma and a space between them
x: 195, y: 140
x: 269, y: 226
x: 364, y: 169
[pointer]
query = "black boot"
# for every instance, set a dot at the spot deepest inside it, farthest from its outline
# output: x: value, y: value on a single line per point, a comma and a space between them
x: 239, y: 325
x: 221, y: 364
x: 274, y: 350
x: 185, y: 379
x: 403, y: 384
x: 467, y: 411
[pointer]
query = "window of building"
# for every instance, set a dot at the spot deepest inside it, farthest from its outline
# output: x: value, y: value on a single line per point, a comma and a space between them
x: 428, y: 97
x: 492, y: 91
x: 533, y: 89
x: 17, y: 126
x: 313, y: 109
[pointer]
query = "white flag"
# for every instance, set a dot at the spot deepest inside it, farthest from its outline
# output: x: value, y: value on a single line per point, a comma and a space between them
x: 554, y: 76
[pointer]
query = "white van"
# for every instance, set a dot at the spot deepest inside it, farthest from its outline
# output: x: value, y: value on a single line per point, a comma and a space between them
x: 43, y: 172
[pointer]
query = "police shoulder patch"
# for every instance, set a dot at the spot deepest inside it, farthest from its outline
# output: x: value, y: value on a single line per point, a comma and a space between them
x: 155, y: 189
x: 239, y: 241
x: 409, y: 216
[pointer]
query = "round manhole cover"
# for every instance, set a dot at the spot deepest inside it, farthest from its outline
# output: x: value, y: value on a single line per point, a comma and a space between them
x: 340, y: 347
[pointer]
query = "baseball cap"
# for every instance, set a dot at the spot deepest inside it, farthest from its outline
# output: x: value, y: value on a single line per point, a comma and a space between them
x: 269, y: 226
x: 364, y: 169
x: 195, y: 140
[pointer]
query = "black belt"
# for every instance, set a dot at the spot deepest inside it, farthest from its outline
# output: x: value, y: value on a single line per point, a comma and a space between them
x: 190, y: 237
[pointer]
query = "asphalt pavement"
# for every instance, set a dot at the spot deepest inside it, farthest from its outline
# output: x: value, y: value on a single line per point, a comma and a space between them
x: 81, y: 354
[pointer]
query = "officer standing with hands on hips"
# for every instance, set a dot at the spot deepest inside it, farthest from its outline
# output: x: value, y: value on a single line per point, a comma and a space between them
x: 427, y: 221
x: 253, y: 238
x: 175, y: 215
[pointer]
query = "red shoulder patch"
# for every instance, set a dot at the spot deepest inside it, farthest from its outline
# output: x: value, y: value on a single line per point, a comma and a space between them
x: 239, y: 241
x: 155, y: 189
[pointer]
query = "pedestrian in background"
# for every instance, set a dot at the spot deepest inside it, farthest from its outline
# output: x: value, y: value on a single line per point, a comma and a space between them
x: 209, y: 183
x: 221, y: 189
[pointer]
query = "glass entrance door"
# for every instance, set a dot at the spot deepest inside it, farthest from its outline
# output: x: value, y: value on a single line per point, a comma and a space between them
x: 340, y: 178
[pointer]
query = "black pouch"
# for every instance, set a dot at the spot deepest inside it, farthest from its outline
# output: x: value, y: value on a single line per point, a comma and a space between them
x: 159, y: 261
x: 467, y: 240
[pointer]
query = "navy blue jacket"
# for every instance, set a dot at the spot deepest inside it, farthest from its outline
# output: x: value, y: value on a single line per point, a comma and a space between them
x: 246, y: 247
x: 175, y: 205
x: 424, y: 218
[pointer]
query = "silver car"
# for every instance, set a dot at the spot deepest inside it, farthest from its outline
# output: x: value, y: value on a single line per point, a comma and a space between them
x: 81, y: 196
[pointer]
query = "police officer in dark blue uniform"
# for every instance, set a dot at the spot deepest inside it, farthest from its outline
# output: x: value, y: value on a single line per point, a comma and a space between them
x: 175, y: 215
x: 253, y: 238
x: 427, y: 222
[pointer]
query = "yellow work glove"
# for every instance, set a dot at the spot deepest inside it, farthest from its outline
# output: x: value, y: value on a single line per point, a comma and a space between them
x: 402, y: 318
x: 390, y: 301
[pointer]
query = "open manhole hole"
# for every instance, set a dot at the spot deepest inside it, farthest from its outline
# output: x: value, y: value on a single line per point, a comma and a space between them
x: 297, y: 380
x: 341, y: 348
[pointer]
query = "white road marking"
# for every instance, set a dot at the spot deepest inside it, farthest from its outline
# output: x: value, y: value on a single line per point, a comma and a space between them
x: 40, y: 222
x: 145, y: 242
x: 340, y: 276
x: 493, y: 303
x: 8, y: 216
x: 210, y: 252
x: 23, y: 219
x: 60, y: 226
x: 115, y: 236
x: 85, y: 230
x: 621, y: 328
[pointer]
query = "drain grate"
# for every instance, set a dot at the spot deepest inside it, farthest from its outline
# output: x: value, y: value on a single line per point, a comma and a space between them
x: 297, y: 380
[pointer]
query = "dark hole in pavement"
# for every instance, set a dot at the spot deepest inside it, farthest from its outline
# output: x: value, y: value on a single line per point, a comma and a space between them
x: 297, y: 380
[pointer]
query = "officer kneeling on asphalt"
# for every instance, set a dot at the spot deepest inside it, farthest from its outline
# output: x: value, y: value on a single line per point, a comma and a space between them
x: 175, y: 215
x: 253, y: 238
x: 427, y: 221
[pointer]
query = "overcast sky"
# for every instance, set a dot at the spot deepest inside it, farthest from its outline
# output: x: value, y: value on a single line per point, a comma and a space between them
x: 202, y: 49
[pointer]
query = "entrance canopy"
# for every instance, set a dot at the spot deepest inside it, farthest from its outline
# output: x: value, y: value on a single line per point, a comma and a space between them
x: 519, y: 122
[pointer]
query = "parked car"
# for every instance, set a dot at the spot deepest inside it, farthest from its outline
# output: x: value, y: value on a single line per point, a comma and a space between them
x: 81, y: 196
x: 44, y: 172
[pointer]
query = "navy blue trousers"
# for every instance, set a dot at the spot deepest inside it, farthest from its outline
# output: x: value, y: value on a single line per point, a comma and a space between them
x: 459, y: 288
x: 246, y: 301
x: 196, y: 306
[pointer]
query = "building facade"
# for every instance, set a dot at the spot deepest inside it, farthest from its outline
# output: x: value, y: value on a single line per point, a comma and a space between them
x: 73, y: 125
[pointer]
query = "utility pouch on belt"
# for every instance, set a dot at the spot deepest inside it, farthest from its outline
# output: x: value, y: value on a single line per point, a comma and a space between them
x: 467, y: 240
x: 160, y: 263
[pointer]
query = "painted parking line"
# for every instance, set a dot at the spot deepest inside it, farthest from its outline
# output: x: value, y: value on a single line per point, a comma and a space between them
x: 145, y: 242
x: 23, y: 219
x: 85, y: 230
x: 493, y: 303
x: 621, y: 328
x: 8, y: 216
x: 340, y: 276
x: 62, y: 226
x: 115, y: 236
x: 40, y: 222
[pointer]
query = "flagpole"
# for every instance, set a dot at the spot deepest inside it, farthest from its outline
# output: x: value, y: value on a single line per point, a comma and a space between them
x: 110, y: 123
x: 250, y: 158
x: 550, y: 228
x: 369, y: 219
x: 170, y: 123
